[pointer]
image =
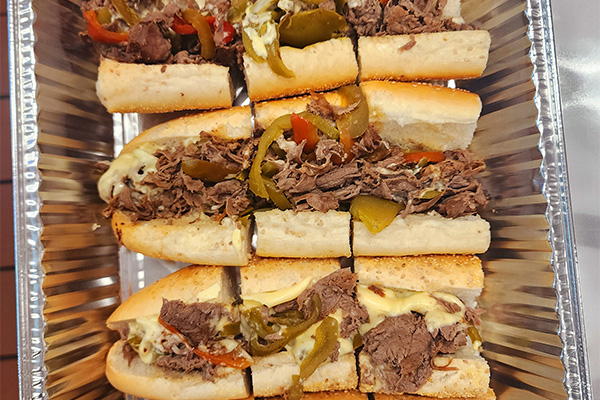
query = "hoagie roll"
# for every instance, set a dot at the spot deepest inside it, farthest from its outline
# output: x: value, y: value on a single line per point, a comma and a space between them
x: 300, y: 318
x: 383, y: 175
x: 422, y: 335
x: 175, y: 191
x: 178, y: 339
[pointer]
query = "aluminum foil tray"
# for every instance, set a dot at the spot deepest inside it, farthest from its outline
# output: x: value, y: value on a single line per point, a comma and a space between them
x: 72, y: 275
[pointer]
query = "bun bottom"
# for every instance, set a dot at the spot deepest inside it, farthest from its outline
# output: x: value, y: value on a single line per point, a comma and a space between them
x: 424, y: 234
x: 489, y: 395
x: 195, y: 239
x: 143, y: 380
x: 272, y: 375
x: 469, y: 378
x: 127, y: 87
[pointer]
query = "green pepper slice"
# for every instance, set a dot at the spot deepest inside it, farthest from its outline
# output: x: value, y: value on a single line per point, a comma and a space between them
x: 354, y: 122
x: 295, y: 391
x: 288, y: 318
x: 249, y: 49
x: 126, y: 12
x: 232, y: 329
x: 275, y: 194
x: 237, y: 10
x: 376, y: 213
x: 256, y: 322
x: 431, y: 194
x: 276, y: 129
x: 274, y: 59
x: 474, y: 334
x: 206, y: 170
x: 322, y: 124
x: 259, y: 349
x: 269, y: 169
x: 103, y: 15
x: 326, y: 338
x: 310, y: 27
x: 205, y: 36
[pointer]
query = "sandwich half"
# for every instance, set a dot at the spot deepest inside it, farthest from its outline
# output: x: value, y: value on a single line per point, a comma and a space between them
x: 179, y: 339
x: 301, y: 319
x: 177, y: 192
x: 392, y: 156
x: 422, y: 335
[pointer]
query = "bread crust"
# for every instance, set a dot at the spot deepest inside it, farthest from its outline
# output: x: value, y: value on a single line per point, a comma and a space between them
x: 418, y: 115
x: 151, y: 382
x: 272, y: 375
x: 321, y: 66
x: 183, y: 284
x: 268, y: 274
x: 195, y: 239
x: 470, y: 376
x: 141, y: 88
x: 489, y: 395
x: 433, y: 56
x: 306, y: 234
x: 423, y: 234
x: 337, y: 395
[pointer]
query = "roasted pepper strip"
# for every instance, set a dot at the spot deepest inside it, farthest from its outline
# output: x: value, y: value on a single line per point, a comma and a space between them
x: 274, y: 60
x: 205, y: 36
x: 237, y: 10
x: 304, y: 130
x: 376, y: 213
x: 322, y: 124
x: 288, y: 318
x: 249, y: 49
x: 354, y: 122
x: 270, y: 135
x: 254, y: 319
x: 103, y: 15
x: 326, y: 339
x: 207, y: 171
x: 276, y: 195
x: 430, y: 156
x: 181, y: 27
x: 310, y: 27
x: 99, y: 34
x: 258, y: 349
x: 126, y: 12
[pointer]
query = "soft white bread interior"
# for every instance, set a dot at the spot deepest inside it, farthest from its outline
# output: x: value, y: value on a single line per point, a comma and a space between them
x: 128, y: 87
x: 302, y: 235
x: 183, y: 284
x: 272, y: 375
x: 489, y: 395
x: 459, y: 275
x: 269, y: 274
x: 151, y: 382
x: 467, y: 375
x: 231, y: 124
x: 193, y: 238
x: 423, y: 234
x: 424, y: 56
x: 321, y: 66
x: 417, y: 115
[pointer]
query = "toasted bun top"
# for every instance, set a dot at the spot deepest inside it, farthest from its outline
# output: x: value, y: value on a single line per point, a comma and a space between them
x: 232, y: 124
x: 268, y: 274
x: 409, y: 102
x: 184, y: 284
x: 456, y: 274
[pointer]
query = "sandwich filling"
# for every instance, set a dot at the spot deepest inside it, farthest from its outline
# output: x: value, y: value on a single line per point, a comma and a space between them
x: 204, y: 176
x: 162, y: 32
x: 407, y: 330
x: 316, y: 171
x: 200, y: 337
x: 317, y: 322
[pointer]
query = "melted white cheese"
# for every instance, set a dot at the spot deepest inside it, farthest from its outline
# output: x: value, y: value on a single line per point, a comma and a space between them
x: 275, y: 297
x: 135, y: 165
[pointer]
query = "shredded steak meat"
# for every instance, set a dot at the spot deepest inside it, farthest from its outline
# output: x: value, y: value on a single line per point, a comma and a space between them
x: 187, y: 363
x: 402, y: 348
x: 366, y: 18
x: 196, y: 321
x: 404, y: 17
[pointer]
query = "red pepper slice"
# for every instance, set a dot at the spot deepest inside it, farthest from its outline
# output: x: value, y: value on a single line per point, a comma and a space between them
x: 99, y: 34
x: 431, y: 156
x: 226, y: 360
x: 183, y: 28
x: 347, y: 142
x: 304, y: 130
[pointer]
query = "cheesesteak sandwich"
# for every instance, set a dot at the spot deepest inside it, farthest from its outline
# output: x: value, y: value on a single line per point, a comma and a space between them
x: 390, y: 155
x: 161, y: 56
x: 301, y: 320
x: 416, y: 40
x: 177, y: 191
x: 179, y: 339
x: 421, y: 336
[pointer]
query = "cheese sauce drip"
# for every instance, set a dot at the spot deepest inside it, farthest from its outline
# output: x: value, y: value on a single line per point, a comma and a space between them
x: 275, y: 297
x: 388, y: 303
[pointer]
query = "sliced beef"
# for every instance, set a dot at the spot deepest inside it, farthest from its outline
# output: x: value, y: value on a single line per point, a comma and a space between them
x: 404, y: 17
x: 147, y: 41
x: 401, y: 349
x: 188, y: 363
x: 196, y: 321
x: 366, y: 18
x: 472, y: 315
x: 336, y: 291
x: 129, y: 353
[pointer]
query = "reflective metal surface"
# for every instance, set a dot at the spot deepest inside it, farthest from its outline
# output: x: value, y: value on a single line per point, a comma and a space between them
x: 69, y: 274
